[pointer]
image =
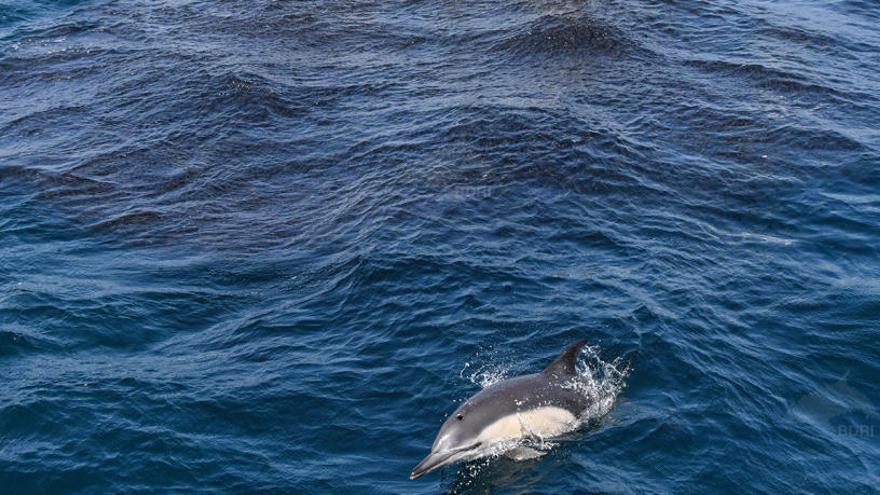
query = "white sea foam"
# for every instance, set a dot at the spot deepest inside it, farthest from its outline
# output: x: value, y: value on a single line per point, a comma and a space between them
x: 600, y: 382
x: 484, y: 375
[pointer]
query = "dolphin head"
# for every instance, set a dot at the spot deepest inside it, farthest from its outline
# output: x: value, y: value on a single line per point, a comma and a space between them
x: 458, y: 440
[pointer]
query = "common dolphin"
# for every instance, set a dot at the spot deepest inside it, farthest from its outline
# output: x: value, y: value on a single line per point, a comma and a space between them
x: 543, y: 405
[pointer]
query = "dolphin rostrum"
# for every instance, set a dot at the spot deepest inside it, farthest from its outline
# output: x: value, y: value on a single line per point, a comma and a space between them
x: 543, y: 405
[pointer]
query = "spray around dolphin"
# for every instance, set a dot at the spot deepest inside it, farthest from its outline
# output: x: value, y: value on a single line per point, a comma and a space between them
x: 539, y: 406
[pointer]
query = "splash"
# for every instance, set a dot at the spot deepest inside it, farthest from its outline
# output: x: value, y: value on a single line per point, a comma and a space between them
x: 484, y: 375
x: 599, y: 381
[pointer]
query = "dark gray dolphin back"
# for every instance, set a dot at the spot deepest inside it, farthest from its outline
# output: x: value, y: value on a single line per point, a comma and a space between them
x: 522, y: 393
x: 566, y: 364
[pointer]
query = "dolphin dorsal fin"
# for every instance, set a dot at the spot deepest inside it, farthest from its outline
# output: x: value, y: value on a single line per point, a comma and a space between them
x: 564, y: 364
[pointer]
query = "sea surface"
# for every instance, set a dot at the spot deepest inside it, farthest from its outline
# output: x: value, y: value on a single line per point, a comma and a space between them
x: 253, y: 246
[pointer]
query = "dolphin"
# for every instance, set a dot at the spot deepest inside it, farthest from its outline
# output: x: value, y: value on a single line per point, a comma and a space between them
x: 542, y: 405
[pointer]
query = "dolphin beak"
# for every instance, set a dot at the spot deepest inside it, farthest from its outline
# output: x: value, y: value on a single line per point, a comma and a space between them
x: 430, y: 463
x: 439, y: 459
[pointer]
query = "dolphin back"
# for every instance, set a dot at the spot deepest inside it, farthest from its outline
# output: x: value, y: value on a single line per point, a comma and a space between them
x: 566, y: 363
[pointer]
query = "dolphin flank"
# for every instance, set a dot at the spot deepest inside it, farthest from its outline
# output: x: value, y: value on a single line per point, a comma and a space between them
x: 542, y: 405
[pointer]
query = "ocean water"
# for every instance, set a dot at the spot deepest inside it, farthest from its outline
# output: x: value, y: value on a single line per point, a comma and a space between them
x: 267, y: 246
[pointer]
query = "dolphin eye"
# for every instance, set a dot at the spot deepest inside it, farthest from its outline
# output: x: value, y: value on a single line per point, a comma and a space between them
x: 459, y: 417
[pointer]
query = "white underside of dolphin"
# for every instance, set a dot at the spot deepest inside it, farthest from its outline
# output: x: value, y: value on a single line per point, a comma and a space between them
x: 541, y: 422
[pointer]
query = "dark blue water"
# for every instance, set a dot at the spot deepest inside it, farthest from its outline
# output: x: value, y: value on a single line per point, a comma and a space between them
x: 266, y: 247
